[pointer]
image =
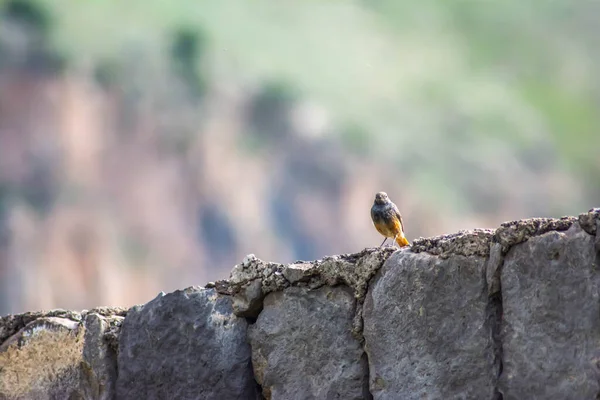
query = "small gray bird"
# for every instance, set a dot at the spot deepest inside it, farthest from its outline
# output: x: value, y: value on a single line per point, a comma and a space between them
x: 388, y: 220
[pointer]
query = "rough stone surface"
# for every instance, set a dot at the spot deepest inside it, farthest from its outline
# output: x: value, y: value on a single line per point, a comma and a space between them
x: 185, y: 345
x: 551, y: 322
x: 254, y: 279
x: 515, y: 232
x: 11, y: 324
x: 464, y: 243
x: 58, y: 354
x: 597, y: 242
x: 426, y: 329
x: 99, y: 363
x: 588, y: 220
x: 302, y: 347
x: 42, y: 360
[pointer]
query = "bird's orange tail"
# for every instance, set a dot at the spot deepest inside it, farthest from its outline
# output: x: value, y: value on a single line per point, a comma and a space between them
x: 402, y: 241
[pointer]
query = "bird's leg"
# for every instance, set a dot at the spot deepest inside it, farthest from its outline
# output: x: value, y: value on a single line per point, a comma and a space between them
x: 395, y: 237
x: 383, y: 242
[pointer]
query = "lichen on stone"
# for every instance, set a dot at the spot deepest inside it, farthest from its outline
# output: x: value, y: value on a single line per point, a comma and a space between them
x: 589, y: 220
x: 108, y: 311
x: 475, y: 242
x: 515, y: 232
x: 11, y: 324
x: 251, y: 280
x: 46, y: 351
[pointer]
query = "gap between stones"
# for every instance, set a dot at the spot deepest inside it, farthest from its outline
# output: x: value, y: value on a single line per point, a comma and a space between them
x: 494, y: 309
x: 597, y: 248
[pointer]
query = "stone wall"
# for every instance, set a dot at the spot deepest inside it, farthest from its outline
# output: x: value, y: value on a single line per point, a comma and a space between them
x: 511, y: 313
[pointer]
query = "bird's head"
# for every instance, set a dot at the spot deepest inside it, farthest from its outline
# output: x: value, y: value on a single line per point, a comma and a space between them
x: 381, y: 198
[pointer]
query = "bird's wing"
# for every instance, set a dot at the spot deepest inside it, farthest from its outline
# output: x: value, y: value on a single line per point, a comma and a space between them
x: 399, y: 216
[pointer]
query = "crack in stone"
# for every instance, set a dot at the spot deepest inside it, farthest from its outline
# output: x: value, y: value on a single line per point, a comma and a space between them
x: 596, y: 218
x: 597, y: 243
x: 494, y: 310
x: 367, y: 395
x: 494, y: 317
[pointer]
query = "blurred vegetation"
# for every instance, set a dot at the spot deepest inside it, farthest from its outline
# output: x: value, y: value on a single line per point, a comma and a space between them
x: 32, y: 26
x: 540, y: 57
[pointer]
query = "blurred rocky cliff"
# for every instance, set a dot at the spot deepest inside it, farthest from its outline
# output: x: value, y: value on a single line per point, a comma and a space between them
x: 142, y: 148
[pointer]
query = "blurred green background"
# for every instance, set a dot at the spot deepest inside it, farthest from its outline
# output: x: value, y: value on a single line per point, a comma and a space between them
x: 150, y: 145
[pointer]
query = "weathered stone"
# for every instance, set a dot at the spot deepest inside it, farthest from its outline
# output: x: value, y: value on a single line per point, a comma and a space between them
x: 254, y: 279
x: 464, y: 243
x: 589, y: 220
x: 58, y: 357
x: 551, y: 321
x: 11, y: 324
x: 107, y: 311
x: 597, y: 242
x: 426, y: 329
x: 302, y: 347
x: 250, y: 282
x: 42, y: 361
x: 248, y: 301
x: 99, y: 364
x: 300, y: 272
x: 185, y: 345
x: 515, y: 232
x: 353, y: 270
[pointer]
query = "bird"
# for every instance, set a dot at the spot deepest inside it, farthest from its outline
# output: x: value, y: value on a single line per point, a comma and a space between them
x: 388, y: 220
